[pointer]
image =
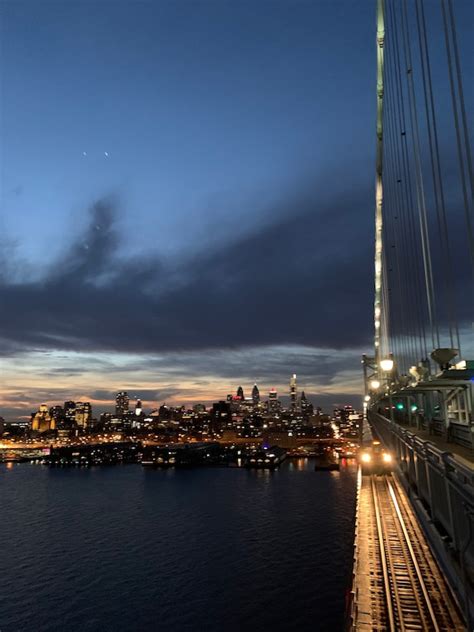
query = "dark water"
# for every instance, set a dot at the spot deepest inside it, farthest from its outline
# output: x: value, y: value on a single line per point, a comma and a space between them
x: 126, y: 548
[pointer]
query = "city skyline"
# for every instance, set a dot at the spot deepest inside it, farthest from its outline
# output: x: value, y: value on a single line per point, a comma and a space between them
x: 150, y: 400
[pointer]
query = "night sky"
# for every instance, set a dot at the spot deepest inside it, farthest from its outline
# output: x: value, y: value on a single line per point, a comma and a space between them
x: 186, y: 198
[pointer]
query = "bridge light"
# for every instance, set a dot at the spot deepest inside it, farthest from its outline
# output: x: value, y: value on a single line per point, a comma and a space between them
x: 374, y: 385
x: 367, y: 398
x: 386, y: 365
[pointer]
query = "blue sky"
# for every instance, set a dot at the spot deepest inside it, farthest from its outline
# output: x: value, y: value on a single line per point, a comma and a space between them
x: 208, y: 111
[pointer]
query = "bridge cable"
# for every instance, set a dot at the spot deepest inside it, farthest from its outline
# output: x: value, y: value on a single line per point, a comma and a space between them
x: 407, y: 186
x: 467, y: 214
x: 467, y: 144
x: 409, y: 330
x: 438, y: 188
x: 400, y: 338
x: 422, y: 212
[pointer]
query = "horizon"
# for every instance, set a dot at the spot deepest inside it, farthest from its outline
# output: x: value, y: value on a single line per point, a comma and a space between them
x: 100, y: 406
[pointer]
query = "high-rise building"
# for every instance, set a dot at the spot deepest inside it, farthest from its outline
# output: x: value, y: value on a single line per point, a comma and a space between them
x: 42, y: 420
x: 83, y: 414
x: 138, y: 408
x: 293, y: 392
x: 274, y: 404
x: 164, y: 413
x: 70, y: 413
x: 221, y: 410
x: 121, y: 403
x: 306, y: 406
x: 57, y: 413
x: 255, y: 394
x: 240, y: 393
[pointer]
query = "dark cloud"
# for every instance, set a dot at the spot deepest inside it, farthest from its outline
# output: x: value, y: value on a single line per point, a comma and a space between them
x: 303, y: 277
x: 64, y: 372
x: 266, y: 365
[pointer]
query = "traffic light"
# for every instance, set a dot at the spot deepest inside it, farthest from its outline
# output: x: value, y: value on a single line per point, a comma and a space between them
x: 399, y: 406
x: 413, y: 408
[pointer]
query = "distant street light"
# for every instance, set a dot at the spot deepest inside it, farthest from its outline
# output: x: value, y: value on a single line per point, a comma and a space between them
x: 367, y: 398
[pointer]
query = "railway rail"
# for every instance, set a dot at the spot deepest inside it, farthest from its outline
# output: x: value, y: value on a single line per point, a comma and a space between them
x: 398, y: 584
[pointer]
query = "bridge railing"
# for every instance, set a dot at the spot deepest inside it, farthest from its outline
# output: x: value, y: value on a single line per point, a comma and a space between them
x: 454, y: 432
x: 445, y: 487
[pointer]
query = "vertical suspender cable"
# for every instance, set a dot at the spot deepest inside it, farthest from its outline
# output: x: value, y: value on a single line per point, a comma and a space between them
x: 408, y: 195
x: 402, y: 237
x: 397, y: 306
x: 467, y: 144
x: 425, y: 244
x: 437, y: 175
x: 467, y: 213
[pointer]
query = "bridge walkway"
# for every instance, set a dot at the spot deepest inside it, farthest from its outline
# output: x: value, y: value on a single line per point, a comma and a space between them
x: 461, y: 453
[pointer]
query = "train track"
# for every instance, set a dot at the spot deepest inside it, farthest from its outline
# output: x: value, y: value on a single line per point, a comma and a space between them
x: 411, y: 585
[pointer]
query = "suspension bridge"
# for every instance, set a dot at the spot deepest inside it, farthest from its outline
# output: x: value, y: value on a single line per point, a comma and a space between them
x: 414, y: 560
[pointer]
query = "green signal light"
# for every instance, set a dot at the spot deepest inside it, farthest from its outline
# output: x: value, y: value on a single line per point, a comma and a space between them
x: 400, y: 406
x: 413, y: 408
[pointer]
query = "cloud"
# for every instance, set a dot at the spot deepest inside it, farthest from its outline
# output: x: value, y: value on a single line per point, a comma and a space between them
x: 325, y: 375
x: 301, y: 277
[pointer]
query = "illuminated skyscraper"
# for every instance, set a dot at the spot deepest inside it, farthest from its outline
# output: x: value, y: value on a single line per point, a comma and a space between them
x: 121, y: 403
x: 293, y: 392
x: 70, y: 413
x: 273, y: 402
x: 240, y: 393
x: 83, y: 414
x: 255, y: 394
x: 42, y: 420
